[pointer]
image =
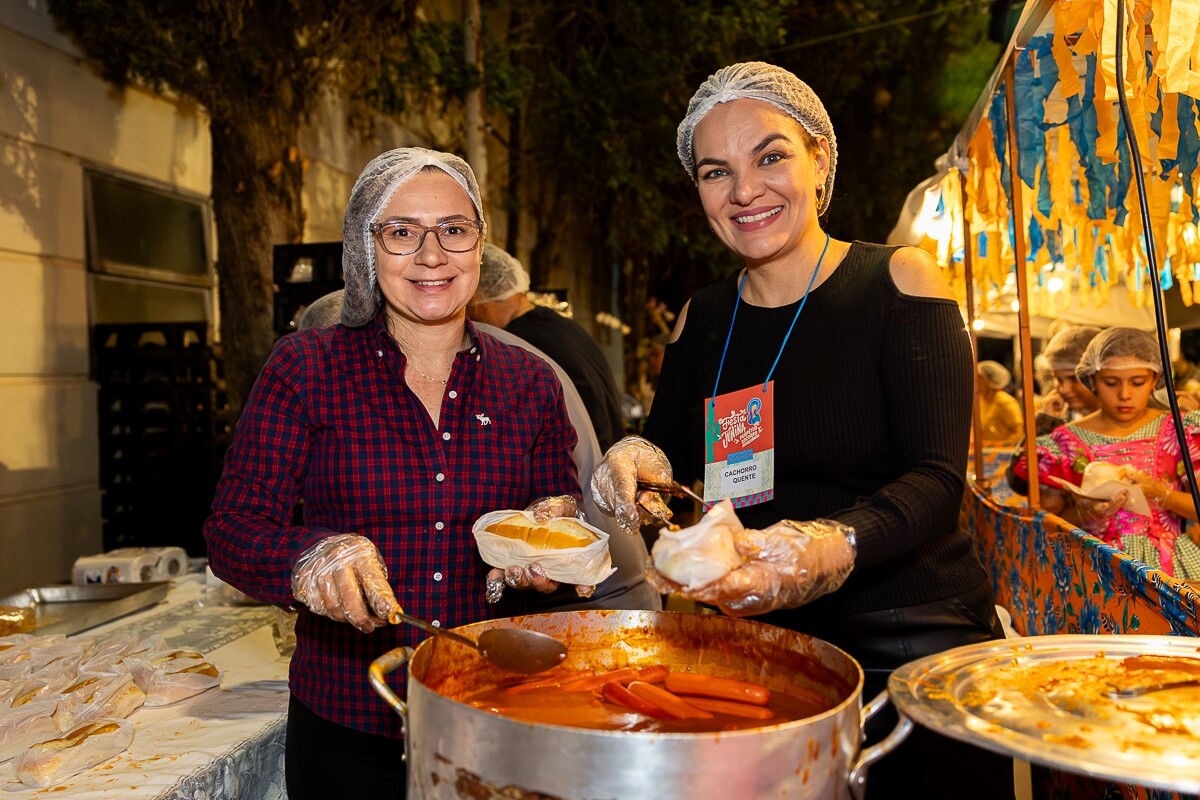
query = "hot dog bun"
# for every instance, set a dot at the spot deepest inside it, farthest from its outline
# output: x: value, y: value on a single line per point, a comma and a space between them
x: 555, y: 534
x: 55, y: 760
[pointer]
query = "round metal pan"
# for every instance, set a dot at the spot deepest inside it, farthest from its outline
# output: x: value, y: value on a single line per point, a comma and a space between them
x: 1053, y: 700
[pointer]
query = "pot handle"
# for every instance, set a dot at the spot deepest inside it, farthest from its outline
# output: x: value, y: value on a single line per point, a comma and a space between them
x: 380, y: 668
x: 858, y: 776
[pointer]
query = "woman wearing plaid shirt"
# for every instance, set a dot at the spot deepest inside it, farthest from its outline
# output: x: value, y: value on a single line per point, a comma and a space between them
x: 398, y: 428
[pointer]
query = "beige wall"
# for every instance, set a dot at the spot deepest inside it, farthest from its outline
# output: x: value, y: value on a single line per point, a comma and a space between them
x: 56, y: 118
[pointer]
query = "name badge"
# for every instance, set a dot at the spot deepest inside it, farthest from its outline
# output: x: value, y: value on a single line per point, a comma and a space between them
x: 739, y: 446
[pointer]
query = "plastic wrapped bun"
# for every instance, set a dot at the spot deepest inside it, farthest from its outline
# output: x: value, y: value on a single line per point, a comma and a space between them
x: 54, y: 760
x: 176, y: 675
x: 570, y: 550
x: 696, y: 556
x: 24, y: 725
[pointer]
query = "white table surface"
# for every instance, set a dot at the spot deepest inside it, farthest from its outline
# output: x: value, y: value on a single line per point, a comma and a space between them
x: 223, y: 744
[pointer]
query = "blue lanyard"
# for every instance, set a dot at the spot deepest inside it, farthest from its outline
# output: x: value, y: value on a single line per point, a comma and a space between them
x: 788, y: 335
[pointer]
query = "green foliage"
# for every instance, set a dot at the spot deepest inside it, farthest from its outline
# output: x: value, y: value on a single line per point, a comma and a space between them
x: 610, y: 83
x: 606, y: 83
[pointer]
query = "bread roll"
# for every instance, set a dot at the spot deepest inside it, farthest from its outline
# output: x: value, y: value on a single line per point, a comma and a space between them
x: 555, y: 534
x: 516, y: 526
x: 114, y: 697
x: 54, y: 760
x: 566, y: 533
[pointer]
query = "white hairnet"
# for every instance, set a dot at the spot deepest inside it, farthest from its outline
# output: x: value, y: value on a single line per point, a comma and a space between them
x: 995, y: 374
x: 373, y: 190
x: 500, y: 275
x: 1119, y: 348
x: 755, y: 80
x: 1066, y: 347
x: 326, y: 310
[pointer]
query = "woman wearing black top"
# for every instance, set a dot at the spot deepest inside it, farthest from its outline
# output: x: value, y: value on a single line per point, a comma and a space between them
x: 856, y: 357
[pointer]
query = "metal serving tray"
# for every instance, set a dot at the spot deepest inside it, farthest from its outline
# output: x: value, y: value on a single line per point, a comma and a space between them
x: 69, y: 609
x: 1048, y: 699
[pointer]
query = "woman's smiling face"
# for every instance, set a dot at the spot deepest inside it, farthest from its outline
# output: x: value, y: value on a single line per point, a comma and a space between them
x: 432, y: 284
x: 758, y: 172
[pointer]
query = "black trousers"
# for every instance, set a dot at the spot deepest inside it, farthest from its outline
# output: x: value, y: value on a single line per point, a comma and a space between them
x: 926, y: 765
x: 324, y: 760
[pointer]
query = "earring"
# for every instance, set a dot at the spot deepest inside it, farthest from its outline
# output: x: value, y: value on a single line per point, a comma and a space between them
x: 820, y: 195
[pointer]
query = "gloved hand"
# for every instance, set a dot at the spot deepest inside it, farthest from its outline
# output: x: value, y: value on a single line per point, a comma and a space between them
x: 344, y: 578
x: 1157, y: 490
x: 1054, y: 405
x: 561, y: 506
x: 785, y: 566
x: 1093, y: 515
x: 614, y: 483
x: 534, y: 576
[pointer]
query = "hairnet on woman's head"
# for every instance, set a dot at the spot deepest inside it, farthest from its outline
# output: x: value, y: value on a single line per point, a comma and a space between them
x: 500, y: 276
x: 1066, y: 347
x: 373, y: 190
x: 995, y: 374
x: 755, y: 80
x: 1119, y: 348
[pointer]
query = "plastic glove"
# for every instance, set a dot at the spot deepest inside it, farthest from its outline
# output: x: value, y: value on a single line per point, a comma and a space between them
x: 614, y: 483
x: 785, y: 566
x: 1094, y: 515
x: 532, y: 576
x: 560, y: 506
x: 1157, y: 490
x: 344, y: 578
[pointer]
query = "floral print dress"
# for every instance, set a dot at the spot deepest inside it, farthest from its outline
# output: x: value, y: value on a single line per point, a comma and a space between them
x: 1157, y: 540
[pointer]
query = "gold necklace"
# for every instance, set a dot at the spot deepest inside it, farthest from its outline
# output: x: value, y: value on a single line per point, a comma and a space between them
x: 427, y: 377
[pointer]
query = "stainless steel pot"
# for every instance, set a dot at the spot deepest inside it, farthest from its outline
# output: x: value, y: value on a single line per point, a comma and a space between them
x: 456, y: 751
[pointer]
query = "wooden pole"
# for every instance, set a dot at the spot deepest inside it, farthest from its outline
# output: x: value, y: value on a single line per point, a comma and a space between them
x: 969, y: 283
x: 1019, y: 254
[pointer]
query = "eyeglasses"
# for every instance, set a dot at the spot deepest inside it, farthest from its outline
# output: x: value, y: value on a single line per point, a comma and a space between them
x: 406, y: 238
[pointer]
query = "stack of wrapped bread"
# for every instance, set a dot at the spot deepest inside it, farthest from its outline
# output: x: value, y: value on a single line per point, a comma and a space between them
x: 63, y: 703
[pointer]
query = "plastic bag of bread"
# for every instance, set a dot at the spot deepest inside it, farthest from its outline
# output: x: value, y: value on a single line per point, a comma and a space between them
x: 24, y: 725
x: 14, y: 648
x: 173, y: 675
x: 570, y: 550
x: 698, y: 555
x: 105, y: 655
x: 16, y: 619
x: 54, y: 760
x: 97, y: 696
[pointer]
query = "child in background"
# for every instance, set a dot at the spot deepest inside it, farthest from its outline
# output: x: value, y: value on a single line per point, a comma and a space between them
x: 1122, y: 366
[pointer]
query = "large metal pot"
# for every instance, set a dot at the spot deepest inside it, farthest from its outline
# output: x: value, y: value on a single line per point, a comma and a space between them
x: 456, y: 751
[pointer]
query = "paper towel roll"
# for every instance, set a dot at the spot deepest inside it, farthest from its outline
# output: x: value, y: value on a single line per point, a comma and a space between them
x: 172, y: 562
x: 127, y: 565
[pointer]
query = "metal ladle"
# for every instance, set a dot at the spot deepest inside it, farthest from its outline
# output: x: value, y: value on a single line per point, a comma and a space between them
x: 511, y: 649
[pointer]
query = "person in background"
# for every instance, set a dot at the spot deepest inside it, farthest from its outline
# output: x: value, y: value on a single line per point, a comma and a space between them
x: 501, y: 300
x: 859, y: 353
x: 1122, y: 366
x: 650, y: 359
x: 399, y: 428
x: 1000, y: 417
x: 323, y: 312
x: 1070, y: 399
